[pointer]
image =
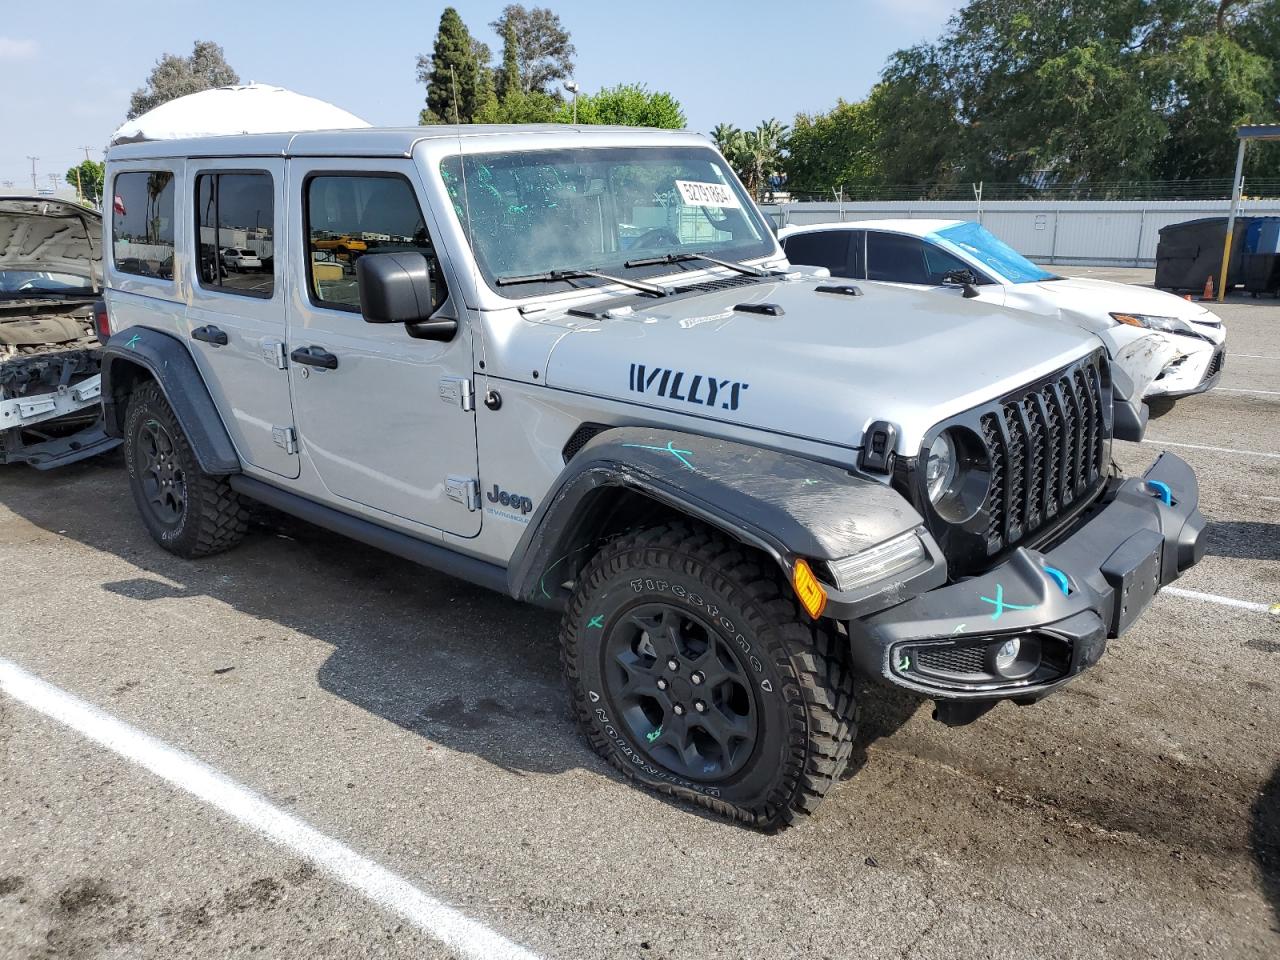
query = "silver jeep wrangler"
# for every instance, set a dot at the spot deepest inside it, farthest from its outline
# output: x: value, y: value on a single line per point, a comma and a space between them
x: 573, y: 365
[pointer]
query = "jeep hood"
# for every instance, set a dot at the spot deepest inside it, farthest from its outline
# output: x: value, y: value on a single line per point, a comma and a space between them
x: 824, y: 369
x: 42, y: 234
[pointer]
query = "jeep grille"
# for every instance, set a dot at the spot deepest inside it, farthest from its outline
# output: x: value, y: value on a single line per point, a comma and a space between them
x: 1046, y: 449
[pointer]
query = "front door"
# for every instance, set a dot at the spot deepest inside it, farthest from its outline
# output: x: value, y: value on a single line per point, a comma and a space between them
x: 392, y: 425
x: 236, y: 312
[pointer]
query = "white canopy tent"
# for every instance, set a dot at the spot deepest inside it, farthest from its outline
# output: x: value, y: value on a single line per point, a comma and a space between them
x: 250, y: 108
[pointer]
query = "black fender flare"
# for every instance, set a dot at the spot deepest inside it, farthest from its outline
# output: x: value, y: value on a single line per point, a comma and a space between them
x: 783, y: 504
x: 168, y: 362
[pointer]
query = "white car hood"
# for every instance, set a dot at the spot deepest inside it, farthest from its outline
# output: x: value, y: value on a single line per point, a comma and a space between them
x: 1107, y: 297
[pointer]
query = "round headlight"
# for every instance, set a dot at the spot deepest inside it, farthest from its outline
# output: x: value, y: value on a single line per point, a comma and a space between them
x: 940, y: 467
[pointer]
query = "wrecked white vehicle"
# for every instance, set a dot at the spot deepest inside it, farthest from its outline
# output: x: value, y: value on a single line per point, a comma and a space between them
x: 50, y: 271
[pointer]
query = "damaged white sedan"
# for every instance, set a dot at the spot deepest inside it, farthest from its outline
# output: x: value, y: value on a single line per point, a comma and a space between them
x: 1167, y: 346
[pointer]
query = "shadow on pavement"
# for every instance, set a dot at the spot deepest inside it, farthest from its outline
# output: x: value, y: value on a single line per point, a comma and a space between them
x: 1265, y: 842
x: 462, y: 666
x: 1245, y: 540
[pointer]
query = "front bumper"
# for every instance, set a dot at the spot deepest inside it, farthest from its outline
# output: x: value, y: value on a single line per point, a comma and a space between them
x: 1064, y: 602
x: 1196, y: 369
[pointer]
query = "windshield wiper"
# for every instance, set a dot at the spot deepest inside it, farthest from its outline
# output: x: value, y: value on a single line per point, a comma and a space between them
x: 555, y: 275
x: 672, y: 258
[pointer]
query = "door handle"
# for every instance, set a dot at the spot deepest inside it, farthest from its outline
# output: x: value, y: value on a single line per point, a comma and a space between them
x: 210, y: 334
x: 314, y: 356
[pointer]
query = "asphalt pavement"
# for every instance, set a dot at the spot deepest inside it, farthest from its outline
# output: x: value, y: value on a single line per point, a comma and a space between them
x: 422, y: 724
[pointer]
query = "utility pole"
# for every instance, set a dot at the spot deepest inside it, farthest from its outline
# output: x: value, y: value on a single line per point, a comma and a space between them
x: 86, y: 151
x: 34, y: 185
x: 53, y: 180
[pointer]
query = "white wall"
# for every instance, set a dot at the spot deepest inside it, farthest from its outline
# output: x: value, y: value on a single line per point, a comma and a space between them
x: 1083, y: 232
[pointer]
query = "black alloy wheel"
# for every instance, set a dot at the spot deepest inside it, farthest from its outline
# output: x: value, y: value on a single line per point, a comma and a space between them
x: 681, y: 690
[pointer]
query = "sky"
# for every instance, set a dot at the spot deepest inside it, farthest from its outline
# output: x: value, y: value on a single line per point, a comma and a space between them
x: 67, y: 70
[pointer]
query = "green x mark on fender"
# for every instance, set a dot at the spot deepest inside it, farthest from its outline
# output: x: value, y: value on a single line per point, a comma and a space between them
x: 1001, y: 606
x: 597, y: 621
x: 669, y: 448
x: 133, y: 341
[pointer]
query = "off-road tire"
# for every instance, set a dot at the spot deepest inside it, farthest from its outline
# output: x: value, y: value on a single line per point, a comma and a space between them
x: 803, y: 681
x: 215, y: 517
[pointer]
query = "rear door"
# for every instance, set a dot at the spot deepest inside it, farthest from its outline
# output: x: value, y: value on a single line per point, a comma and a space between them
x: 392, y: 425
x: 833, y: 249
x: 236, y: 316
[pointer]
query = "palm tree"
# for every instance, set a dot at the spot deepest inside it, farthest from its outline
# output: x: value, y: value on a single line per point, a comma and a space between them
x: 753, y: 154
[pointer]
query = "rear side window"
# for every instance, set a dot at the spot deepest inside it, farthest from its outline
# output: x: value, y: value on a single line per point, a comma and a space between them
x: 350, y: 216
x: 142, y: 209
x: 235, y: 219
x: 824, y: 248
x: 896, y: 258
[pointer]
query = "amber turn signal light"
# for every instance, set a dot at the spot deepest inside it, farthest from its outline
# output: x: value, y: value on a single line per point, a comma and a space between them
x: 808, y: 590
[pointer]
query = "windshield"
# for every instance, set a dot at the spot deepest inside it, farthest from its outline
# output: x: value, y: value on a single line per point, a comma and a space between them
x: 42, y: 281
x: 976, y: 241
x: 537, y: 212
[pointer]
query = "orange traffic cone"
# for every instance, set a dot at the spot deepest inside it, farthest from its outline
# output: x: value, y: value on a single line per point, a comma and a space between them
x: 1208, y: 289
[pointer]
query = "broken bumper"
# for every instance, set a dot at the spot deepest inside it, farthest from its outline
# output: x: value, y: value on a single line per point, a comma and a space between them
x: 1024, y: 628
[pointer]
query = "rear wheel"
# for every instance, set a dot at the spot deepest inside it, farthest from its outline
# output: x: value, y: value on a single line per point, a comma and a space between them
x: 694, y: 671
x: 187, y: 511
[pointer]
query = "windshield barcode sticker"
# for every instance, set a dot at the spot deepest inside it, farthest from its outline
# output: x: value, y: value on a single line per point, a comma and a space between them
x: 695, y: 193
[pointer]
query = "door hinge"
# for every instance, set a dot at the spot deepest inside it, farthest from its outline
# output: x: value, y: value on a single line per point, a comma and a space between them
x: 273, y: 353
x: 286, y: 438
x: 466, y: 490
x: 457, y: 391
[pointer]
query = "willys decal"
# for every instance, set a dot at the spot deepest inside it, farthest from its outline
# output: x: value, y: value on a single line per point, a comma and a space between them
x: 689, y: 387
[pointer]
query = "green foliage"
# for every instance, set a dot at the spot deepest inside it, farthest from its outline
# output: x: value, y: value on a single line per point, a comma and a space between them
x: 826, y: 150
x: 1103, y: 90
x: 755, y: 155
x: 627, y: 104
x: 518, y: 107
x: 174, y: 76
x: 508, y: 75
x: 455, y: 73
x: 1023, y: 90
x: 88, y: 177
x: 544, y: 51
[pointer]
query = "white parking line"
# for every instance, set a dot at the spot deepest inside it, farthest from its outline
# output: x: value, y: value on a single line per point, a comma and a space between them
x: 1223, y: 601
x: 1195, y: 446
x: 467, y: 937
x: 1265, y: 393
x: 1254, y: 356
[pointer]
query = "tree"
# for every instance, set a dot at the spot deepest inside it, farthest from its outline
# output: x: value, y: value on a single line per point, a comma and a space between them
x: 755, y: 155
x: 544, y: 51
x: 174, y: 76
x: 455, y: 73
x: 88, y: 177
x: 507, y: 76
x: 627, y: 104
x: 1021, y: 90
x: 827, y: 150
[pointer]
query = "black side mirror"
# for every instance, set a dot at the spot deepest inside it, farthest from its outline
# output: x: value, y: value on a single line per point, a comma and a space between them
x: 962, y: 278
x: 396, y: 288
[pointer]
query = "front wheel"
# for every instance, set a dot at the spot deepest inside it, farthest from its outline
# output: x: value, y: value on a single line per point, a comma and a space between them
x: 694, y: 671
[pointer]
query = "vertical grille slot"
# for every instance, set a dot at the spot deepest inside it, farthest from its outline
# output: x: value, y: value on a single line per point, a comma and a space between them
x: 995, y: 496
x: 1015, y: 509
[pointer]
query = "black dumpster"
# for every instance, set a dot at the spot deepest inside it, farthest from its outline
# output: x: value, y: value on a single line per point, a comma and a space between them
x: 1190, y: 252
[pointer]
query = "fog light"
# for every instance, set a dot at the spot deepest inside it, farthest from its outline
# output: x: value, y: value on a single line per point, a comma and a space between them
x: 1007, y: 655
x: 1015, y: 658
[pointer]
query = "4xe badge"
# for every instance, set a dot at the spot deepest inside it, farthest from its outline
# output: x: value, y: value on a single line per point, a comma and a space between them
x: 517, y: 506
